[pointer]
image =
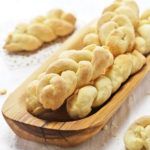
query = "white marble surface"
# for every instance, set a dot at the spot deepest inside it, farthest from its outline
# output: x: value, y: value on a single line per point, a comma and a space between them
x: 15, y: 68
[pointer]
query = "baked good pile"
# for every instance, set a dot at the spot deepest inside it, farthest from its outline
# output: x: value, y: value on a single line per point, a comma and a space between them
x: 85, y: 79
x: 82, y: 80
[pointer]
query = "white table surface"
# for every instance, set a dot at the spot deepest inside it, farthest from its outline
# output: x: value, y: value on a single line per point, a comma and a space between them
x: 15, y: 68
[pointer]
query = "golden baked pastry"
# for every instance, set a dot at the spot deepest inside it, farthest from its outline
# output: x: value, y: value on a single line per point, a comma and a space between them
x: 129, y: 8
x: 29, y: 37
x: 124, y: 66
x: 81, y: 102
x: 142, y: 43
x: 116, y: 32
x: 85, y: 79
x: 137, y: 136
x: 71, y: 71
x: 116, y: 26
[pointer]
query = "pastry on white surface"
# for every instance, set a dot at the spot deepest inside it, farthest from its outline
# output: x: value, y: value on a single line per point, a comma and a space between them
x: 43, y: 29
x: 137, y: 136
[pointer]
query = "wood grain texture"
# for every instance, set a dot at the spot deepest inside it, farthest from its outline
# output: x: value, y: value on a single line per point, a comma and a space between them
x: 68, y: 133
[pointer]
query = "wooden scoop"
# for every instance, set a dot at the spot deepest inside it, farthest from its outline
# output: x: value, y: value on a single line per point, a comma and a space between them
x: 60, y: 132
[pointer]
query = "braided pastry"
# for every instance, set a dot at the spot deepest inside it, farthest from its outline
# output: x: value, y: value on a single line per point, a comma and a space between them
x: 137, y: 136
x: 81, y: 102
x: 29, y: 37
x: 71, y: 71
x: 142, y: 42
x: 128, y: 8
x: 116, y: 26
x: 116, y: 32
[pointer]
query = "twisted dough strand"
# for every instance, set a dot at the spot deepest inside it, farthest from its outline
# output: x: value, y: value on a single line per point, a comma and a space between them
x: 81, y: 102
x: 29, y: 37
x: 92, y: 36
x: 71, y: 71
x: 142, y: 42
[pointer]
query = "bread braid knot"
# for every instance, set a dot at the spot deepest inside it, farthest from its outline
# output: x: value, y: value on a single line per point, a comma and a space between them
x: 72, y: 70
x: 29, y: 37
x: 116, y: 26
x: 81, y: 102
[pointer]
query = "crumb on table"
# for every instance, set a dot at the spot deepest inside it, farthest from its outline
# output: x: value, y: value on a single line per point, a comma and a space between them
x: 3, y: 91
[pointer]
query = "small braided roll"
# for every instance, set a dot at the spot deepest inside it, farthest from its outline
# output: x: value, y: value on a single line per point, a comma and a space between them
x: 137, y: 136
x: 142, y: 42
x: 64, y: 76
x: 116, y: 26
x: 29, y: 37
x: 81, y: 102
x: 129, y: 8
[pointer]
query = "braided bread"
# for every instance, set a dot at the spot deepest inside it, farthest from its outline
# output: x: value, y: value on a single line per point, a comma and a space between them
x: 81, y: 102
x: 137, y: 136
x: 29, y: 37
x: 71, y: 71
x: 128, y: 8
x: 116, y: 26
x: 142, y: 42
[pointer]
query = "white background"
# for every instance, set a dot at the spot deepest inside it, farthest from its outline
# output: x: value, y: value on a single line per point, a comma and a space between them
x: 15, y: 68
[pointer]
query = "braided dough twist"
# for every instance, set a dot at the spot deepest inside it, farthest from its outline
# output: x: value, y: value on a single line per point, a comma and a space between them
x: 80, y: 103
x: 129, y: 8
x: 137, y: 136
x: 142, y: 43
x: 29, y: 37
x: 116, y: 26
x: 71, y: 71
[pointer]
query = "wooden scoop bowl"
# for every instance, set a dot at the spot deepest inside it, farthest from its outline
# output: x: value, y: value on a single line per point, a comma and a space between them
x: 57, y: 131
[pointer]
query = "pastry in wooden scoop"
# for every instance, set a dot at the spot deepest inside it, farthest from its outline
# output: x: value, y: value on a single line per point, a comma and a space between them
x: 62, y: 133
x: 55, y: 125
